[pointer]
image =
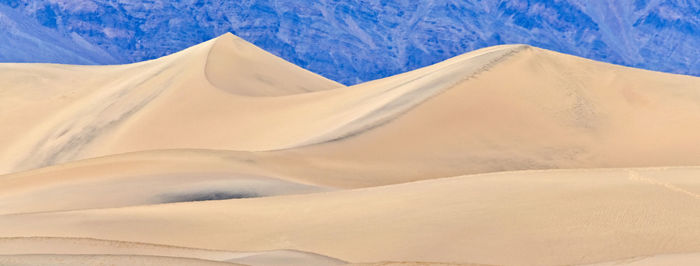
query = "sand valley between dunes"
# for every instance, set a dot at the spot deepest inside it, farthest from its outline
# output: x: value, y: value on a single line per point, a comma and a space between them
x: 224, y: 154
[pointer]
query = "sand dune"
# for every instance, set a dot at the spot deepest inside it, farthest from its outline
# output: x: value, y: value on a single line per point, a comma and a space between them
x: 224, y: 153
x: 150, y: 177
x: 535, y: 110
x: 554, y: 111
x: 672, y: 259
x: 85, y: 251
x: 55, y: 193
x: 240, y: 68
x: 415, y: 263
x: 69, y: 260
x: 155, y: 104
x: 524, y: 218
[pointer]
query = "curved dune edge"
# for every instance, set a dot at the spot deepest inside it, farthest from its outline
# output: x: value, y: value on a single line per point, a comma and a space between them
x: 69, y: 260
x: 88, y: 251
x: 415, y: 263
x: 145, y: 178
x: 241, y: 68
x: 512, y: 218
x: 391, y: 97
x: 667, y: 259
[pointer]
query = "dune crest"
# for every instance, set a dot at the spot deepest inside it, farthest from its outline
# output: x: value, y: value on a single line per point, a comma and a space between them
x: 242, y: 68
x: 74, y: 107
x: 158, y: 104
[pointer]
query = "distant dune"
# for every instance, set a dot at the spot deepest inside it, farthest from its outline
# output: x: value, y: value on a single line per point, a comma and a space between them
x: 225, y: 154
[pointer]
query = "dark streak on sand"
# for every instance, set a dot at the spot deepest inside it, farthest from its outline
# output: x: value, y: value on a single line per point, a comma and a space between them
x: 206, y: 196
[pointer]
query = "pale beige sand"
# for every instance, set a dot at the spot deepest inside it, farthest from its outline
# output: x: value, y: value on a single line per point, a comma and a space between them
x: 63, y: 248
x: 70, y: 260
x: 60, y: 113
x: 142, y: 179
x: 285, y: 257
x: 86, y: 246
x: 659, y: 260
x: 513, y: 218
x: 409, y: 263
x: 129, y: 190
x: 535, y: 110
x: 162, y: 104
x: 238, y: 67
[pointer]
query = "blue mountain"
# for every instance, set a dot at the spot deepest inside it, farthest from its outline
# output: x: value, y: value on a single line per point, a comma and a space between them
x: 23, y: 39
x: 358, y: 40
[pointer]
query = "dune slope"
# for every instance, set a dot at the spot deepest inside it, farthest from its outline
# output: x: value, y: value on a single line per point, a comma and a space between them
x: 513, y: 218
x: 499, y: 108
x: 34, y: 250
x: 61, y: 113
x: 205, y: 92
x: 534, y: 110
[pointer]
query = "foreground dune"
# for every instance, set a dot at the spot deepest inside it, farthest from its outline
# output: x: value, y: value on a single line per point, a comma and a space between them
x: 148, y: 178
x: 530, y: 218
x: 225, y: 154
x: 673, y: 259
x: 84, y: 251
x: 70, y: 260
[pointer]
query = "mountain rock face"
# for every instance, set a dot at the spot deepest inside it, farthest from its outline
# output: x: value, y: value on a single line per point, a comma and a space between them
x: 24, y: 40
x: 358, y: 40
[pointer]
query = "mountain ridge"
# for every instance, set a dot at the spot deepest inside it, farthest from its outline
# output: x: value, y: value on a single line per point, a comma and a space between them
x: 355, y: 41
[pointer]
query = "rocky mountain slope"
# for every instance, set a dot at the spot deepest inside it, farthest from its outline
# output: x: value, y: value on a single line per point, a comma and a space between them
x: 359, y: 40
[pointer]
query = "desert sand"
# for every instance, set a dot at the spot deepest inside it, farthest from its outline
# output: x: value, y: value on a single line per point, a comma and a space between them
x: 224, y: 154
